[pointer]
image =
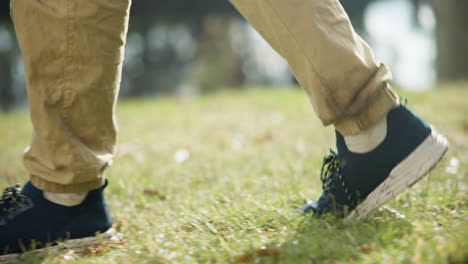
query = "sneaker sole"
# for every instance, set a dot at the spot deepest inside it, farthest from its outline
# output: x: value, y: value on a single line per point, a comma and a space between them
x: 408, y: 172
x: 74, y: 246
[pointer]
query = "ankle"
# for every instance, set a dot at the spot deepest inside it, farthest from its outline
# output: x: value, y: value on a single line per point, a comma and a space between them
x: 368, y: 139
x: 66, y: 199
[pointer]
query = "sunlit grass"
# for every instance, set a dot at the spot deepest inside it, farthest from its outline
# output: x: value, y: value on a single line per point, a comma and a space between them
x: 217, y: 179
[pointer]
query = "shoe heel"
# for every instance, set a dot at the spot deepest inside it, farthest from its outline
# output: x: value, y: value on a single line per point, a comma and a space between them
x: 407, y: 173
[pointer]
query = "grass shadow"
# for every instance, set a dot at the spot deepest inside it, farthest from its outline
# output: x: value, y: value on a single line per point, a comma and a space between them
x: 331, y: 240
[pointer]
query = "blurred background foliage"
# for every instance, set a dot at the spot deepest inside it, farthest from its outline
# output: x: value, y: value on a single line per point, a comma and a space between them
x: 183, y: 47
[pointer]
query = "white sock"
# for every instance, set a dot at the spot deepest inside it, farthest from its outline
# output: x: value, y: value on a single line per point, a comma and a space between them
x: 66, y: 199
x: 368, y: 139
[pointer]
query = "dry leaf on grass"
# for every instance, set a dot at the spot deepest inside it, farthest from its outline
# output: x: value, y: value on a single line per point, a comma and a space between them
x: 155, y: 193
x: 264, y: 252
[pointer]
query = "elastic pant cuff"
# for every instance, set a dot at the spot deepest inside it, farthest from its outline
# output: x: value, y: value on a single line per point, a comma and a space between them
x: 67, y: 188
x: 383, y: 101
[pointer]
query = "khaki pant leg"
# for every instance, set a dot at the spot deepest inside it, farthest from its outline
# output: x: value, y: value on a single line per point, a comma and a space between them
x: 346, y: 85
x: 73, y: 52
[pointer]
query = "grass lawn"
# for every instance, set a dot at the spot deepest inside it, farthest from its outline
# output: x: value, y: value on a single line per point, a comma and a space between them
x: 216, y: 179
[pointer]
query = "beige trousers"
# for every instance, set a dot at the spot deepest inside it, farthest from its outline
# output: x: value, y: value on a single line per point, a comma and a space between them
x: 73, y: 52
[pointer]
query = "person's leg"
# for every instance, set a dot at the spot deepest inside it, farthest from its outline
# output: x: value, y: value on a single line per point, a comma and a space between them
x: 349, y: 89
x: 346, y: 85
x: 73, y: 53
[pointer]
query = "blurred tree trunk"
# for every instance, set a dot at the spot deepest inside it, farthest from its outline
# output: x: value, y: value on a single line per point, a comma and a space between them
x: 6, y: 81
x: 356, y: 11
x: 452, y: 39
x: 217, y: 65
x: 7, y: 57
x: 7, y: 98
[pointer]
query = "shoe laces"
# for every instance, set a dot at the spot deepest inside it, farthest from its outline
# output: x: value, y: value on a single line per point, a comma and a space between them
x: 11, y: 199
x: 331, y: 172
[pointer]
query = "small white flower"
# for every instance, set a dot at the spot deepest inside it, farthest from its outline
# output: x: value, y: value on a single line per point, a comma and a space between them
x: 181, y: 155
x: 69, y: 255
x: 453, y: 166
x: 237, y: 141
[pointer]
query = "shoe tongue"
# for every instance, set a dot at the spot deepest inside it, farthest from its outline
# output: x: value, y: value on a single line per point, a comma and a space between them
x: 340, y: 144
x: 31, y: 191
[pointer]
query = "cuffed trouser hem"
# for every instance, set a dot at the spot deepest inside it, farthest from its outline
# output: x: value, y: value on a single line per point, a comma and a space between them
x: 379, y: 105
x: 67, y: 188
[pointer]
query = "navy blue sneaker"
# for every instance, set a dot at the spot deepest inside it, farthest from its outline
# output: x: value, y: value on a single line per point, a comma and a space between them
x: 29, y: 222
x: 355, y: 184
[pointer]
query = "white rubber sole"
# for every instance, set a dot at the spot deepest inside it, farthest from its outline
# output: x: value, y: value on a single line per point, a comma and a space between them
x: 404, y: 175
x: 76, y: 246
